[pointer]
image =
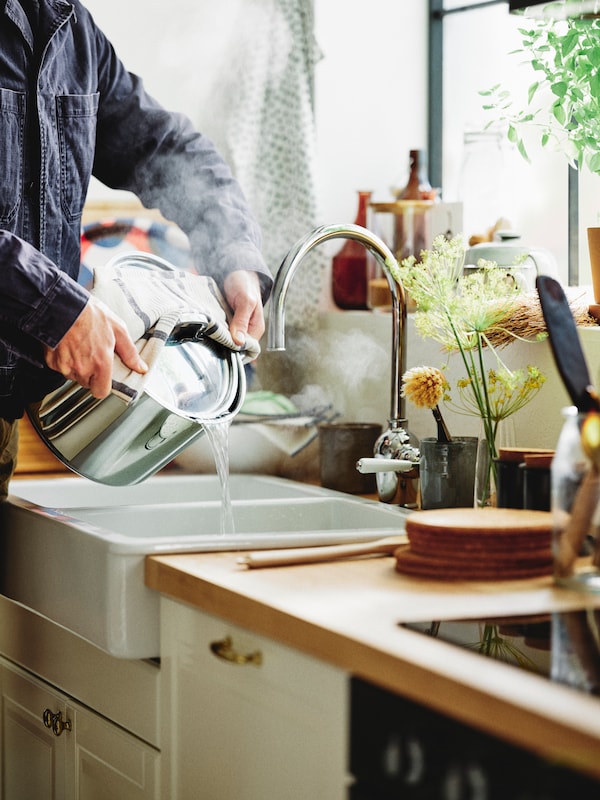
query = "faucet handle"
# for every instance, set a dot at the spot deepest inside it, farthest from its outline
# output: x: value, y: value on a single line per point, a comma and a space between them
x: 393, y: 447
x: 368, y: 465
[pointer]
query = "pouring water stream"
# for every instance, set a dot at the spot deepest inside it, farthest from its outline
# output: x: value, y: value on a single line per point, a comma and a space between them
x: 218, y: 436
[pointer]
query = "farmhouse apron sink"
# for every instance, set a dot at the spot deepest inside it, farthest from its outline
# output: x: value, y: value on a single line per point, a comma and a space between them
x: 74, y: 551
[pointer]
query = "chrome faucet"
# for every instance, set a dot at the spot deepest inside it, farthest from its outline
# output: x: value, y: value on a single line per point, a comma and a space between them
x: 393, y: 451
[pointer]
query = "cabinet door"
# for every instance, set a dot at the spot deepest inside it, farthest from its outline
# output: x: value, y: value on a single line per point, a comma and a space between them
x: 33, y: 758
x: 272, y: 727
x: 109, y: 762
x: 92, y: 759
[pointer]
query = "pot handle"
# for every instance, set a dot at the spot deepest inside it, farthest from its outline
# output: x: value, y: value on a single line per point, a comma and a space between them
x: 544, y: 262
x: 188, y: 330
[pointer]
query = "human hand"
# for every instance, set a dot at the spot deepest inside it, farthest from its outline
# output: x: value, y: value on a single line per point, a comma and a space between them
x: 86, y: 352
x: 242, y: 292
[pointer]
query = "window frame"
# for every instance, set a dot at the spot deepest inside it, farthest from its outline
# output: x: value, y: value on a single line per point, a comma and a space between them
x: 435, y: 113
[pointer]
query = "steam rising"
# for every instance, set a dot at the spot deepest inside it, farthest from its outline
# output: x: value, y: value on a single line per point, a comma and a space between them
x: 349, y: 369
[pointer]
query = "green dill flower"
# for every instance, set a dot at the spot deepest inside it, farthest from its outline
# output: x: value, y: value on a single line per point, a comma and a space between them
x: 507, y: 392
x: 463, y: 313
x: 455, y: 309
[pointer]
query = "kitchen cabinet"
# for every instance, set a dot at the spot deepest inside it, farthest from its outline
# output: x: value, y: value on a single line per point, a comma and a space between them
x: 401, y: 749
x: 54, y: 748
x: 245, y: 717
x: 33, y: 760
x: 346, y: 615
x: 112, y: 749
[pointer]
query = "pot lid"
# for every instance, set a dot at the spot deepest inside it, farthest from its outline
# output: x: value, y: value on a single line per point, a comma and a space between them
x: 505, y: 250
x: 199, y: 379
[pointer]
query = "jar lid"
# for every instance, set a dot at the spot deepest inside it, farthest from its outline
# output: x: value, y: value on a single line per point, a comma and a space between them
x: 400, y: 206
x: 539, y: 460
x: 519, y: 453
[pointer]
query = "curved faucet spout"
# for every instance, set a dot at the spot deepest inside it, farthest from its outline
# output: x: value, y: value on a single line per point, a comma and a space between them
x: 383, y: 255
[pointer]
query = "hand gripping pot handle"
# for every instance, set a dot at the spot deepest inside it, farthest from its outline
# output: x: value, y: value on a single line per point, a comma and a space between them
x: 194, y: 382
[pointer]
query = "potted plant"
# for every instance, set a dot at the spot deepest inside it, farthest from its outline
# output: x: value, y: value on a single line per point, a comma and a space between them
x: 563, y: 101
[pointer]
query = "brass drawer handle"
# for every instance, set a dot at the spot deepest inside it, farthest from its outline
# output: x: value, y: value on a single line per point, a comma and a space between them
x: 55, y: 722
x: 224, y: 649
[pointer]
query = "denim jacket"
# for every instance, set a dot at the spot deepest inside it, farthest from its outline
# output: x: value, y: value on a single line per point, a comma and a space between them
x: 69, y: 109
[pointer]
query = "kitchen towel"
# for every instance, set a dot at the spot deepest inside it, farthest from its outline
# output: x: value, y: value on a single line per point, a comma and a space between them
x: 152, y: 297
x: 261, y: 113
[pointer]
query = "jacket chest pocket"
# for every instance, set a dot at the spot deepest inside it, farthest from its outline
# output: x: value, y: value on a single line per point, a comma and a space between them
x: 12, y: 125
x: 76, y: 117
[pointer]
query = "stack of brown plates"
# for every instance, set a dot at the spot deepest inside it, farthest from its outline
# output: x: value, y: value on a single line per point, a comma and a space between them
x: 477, y: 544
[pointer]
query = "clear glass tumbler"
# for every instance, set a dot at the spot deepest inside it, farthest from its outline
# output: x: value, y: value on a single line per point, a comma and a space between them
x: 447, y: 472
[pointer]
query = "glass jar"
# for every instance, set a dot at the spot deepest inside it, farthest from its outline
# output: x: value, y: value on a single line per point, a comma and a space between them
x: 404, y: 225
x: 483, y: 184
x: 575, y: 509
x: 486, y: 467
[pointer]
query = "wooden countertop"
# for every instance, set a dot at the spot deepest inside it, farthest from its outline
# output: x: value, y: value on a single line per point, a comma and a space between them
x: 346, y: 613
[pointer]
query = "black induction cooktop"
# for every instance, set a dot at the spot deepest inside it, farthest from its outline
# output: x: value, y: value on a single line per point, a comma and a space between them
x: 563, y: 647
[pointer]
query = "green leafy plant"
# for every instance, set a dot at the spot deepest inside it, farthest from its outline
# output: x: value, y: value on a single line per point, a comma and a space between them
x: 563, y: 102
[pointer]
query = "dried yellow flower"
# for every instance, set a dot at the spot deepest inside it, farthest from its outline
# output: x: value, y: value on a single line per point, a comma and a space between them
x: 423, y: 386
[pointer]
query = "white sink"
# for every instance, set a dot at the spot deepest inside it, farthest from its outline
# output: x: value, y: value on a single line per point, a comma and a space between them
x: 72, y: 492
x: 74, y: 551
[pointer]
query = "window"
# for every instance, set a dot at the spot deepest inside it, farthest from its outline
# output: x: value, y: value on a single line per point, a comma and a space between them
x: 548, y: 203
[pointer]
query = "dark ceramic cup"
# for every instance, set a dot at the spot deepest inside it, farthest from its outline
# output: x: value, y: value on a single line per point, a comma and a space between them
x: 341, y: 445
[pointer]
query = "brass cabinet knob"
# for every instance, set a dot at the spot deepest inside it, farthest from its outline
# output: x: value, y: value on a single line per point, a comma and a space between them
x: 55, y: 722
x: 224, y: 649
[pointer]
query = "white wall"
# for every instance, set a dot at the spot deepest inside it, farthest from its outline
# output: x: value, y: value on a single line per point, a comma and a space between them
x: 353, y: 370
x: 370, y: 98
x: 370, y: 82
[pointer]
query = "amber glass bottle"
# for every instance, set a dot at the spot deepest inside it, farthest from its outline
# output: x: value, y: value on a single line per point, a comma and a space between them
x: 410, y: 224
x: 418, y: 186
x: 349, y: 266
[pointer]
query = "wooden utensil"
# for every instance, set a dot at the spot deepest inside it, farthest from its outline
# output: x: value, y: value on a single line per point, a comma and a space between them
x: 586, y: 500
x: 572, y: 366
x: 314, y: 555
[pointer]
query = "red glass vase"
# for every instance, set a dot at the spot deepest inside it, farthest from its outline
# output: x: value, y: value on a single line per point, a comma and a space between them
x: 349, y: 266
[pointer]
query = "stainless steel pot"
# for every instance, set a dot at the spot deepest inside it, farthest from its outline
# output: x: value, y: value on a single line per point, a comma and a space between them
x: 194, y: 383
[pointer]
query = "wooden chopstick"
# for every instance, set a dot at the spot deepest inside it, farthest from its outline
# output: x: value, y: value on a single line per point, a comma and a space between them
x: 313, y: 555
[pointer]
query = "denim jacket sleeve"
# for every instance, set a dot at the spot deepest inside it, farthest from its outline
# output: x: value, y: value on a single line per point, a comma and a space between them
x: 160, y: 157
x: 39, y: 301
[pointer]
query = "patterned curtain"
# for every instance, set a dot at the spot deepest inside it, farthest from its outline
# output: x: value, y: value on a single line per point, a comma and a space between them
x: 264, y: 110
